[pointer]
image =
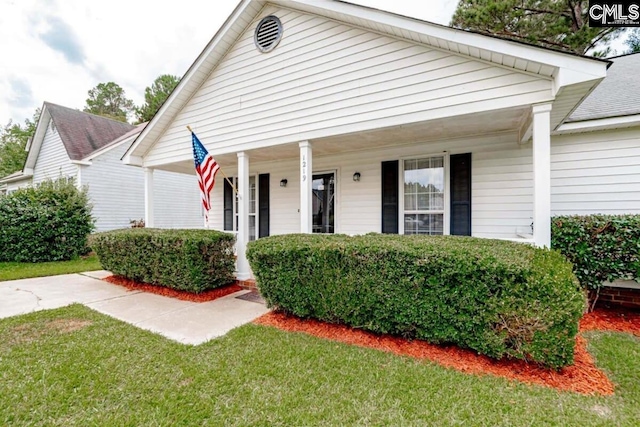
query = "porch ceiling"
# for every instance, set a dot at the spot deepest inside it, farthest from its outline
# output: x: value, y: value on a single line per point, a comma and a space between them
x: 429, y: 131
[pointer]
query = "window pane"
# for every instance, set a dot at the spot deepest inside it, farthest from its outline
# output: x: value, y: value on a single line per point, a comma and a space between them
x: 424, y: 184
x: 431, y: 224
x: 252, y: 195
x: 252, y: 228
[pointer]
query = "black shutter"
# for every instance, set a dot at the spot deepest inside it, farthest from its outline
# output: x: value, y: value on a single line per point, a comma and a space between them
x: 228, y: 206
x: 390, y: 197
x: 263, y: 204
x: 460, y: 165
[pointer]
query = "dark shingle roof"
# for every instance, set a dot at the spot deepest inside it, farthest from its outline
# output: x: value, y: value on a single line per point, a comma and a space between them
x: 84, y: 133
x: 617, y: 95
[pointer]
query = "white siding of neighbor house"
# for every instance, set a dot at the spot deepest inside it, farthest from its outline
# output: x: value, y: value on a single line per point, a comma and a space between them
x: 327, y: 78
x: 53, y: 161
x: 117, y: 193
x: 13, y: 186
x: 596, y: 172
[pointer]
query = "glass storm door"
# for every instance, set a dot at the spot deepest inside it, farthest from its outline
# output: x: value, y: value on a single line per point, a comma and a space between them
x: 324, y: 202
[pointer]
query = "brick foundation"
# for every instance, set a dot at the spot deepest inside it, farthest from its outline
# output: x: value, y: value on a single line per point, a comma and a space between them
x: 619, y: 297
x: 247, y: 284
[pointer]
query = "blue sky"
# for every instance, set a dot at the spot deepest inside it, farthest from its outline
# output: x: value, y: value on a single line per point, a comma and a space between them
x: 56, y: 50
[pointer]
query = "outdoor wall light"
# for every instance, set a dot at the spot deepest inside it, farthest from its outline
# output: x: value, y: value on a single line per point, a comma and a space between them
x: 283, y: 182
x: 356, y: 176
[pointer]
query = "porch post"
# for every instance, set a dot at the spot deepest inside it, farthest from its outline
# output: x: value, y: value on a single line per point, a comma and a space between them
x: 244, y: 272
x: 148, y: 197
x: 542, y: 175
x: 306, y: 180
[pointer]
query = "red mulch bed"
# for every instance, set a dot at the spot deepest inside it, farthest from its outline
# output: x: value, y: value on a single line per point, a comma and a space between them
x: 167, y: 292
x: 612, y: 320
x: 583, y: 377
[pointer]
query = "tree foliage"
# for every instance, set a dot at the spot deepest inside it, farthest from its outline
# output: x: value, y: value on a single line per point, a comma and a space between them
x: 556, y: 24
x: 633, y: 41
x: 109, y: 100
x: 155, y: 95
x: 13, y: 140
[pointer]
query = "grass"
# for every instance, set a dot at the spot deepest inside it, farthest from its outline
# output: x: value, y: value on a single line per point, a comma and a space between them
x: 25, y: 270
x: 75, y: 367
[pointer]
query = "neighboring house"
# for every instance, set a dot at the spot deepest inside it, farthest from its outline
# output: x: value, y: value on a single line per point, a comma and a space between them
x: 11, y: 183
x: 339, y: 118
x: 87, y: 148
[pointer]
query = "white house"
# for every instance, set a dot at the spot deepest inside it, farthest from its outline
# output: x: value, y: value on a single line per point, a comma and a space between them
x: 88, y: 149
x: 334, y: 117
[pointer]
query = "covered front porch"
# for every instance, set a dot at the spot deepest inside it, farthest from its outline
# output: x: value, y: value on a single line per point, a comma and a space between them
x: 484, y: 174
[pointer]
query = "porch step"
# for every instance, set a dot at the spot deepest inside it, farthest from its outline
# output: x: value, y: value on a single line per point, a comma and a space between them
x: 247, y: 284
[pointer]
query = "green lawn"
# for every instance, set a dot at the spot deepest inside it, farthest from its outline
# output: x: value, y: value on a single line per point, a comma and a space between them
x: 24, y: 270
x: 75, y: 367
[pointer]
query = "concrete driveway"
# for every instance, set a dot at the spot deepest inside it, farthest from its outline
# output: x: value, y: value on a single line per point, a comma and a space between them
x: 182, y: 321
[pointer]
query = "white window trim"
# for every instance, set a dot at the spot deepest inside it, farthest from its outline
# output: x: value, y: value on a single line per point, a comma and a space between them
x: 336, y: 209
x: 446, y: 212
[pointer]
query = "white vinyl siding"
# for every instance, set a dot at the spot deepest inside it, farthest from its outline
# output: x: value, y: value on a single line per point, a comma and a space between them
x: 502, y: 186
x: 327, y: 78
x: 13, y: 186
x: 53, y: 161
x: 596, y: 172
x: 117, y: 194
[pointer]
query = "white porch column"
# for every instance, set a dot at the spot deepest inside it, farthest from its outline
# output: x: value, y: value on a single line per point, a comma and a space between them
x: 542, y: 175
x: 148, y: 197
x: 306, y: 190
x: 244, y: 272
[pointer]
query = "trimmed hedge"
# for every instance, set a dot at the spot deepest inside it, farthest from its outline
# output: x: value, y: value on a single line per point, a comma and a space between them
x: 500, y: 298
x: 48, y: 222
x: 187, y: 260
x: 601, y: 247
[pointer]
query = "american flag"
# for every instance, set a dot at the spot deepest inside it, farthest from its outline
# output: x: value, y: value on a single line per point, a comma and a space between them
x: 206, y: 169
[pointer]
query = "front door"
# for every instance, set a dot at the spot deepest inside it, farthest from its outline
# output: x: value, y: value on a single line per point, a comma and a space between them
x: 324, y: 202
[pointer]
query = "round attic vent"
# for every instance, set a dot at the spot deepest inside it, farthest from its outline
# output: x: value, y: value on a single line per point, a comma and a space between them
x: 268, y: 33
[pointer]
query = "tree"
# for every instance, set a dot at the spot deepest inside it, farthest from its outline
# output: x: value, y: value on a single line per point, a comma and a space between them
x: 13, y: 140
x: 109, y: 100
x: 556, y: 24
x: 633, y: 41
x: 155, y: 95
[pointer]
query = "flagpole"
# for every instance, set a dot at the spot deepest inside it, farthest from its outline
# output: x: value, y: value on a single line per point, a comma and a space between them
x: 220, y: 170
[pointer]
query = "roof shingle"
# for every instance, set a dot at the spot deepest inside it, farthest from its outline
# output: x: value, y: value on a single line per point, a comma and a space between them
x: 617, y: 95
x: 83, y: 133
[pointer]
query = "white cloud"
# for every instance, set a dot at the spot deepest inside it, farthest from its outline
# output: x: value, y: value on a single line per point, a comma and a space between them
x: 61, y: 49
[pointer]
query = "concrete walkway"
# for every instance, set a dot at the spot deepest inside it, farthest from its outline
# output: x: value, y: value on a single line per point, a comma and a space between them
x: 182, y: 321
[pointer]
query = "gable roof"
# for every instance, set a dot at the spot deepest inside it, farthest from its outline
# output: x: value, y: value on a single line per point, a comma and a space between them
x: 617, y: 95
x: 83, y: 133
x: 132, y: 134
x: 579, y: 73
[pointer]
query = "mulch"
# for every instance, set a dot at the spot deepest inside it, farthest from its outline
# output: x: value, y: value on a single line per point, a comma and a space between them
x: 172, y: 293
x: 582, y: 377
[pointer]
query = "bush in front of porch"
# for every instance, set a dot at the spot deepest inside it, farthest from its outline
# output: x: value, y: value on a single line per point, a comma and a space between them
x: 186, y: 260
x: 500, y: 298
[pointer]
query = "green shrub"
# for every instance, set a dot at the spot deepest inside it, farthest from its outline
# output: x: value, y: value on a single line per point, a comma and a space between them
x: 499, y: 298
x: 187, y: 260
x: 48, y: 222
x: 601, y: 247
